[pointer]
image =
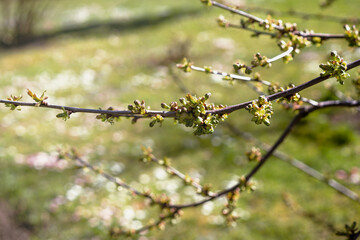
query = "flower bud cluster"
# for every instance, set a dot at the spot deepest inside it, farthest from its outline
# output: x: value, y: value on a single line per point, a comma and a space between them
x: 185, y: 65
x: 138, y: 107
x: 295, y: 41
x: 104, y: 117
x: 222, y: 22
x: 240, y: 67
x: 39, y: 100
x: 205, y: 190
x: 352, y: 36
x: 156, y: 119
x: 233, y: 197
x: 335, y: 67
x: 230, y: 206
x: 192, y: 113
x: 13, y: 106
x: 294, y: 98
x: 261, y: 61
x: 269, y: 22
x: 258, y: 60
x: 245, y: 185
x: 262, y: 110
x: 254, y: 155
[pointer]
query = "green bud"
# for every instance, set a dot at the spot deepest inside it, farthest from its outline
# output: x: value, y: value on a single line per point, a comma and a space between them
x: 137, y: 103
x: 152, y: 123
x: 207, y: 2
x: 165, y: 106
x: 207, y: 96
x: 248, y: 70
x: 182, y: 101
x: 207, y: 69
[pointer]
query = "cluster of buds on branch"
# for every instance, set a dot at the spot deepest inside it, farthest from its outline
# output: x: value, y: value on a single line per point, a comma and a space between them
x: 138, y: 107
x: 352, y: 36
x: 335, y: 67
x: 39, y: 100
x: 262, y: 110
x: 192, y: 113
x: 260, y: 60
x: 254, y: 155
x: 185, y: 65
x: 294, y: 98
x: 11, y: 105
x: 105, y: 117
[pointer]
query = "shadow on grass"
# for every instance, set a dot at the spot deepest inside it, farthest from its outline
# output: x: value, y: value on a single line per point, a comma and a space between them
x: 105, y: 27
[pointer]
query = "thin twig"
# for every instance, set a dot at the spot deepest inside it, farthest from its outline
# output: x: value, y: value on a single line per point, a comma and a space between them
x: 305, y: 16
x: 297, y: 164
x: 285, y: 133
x: 173, y: 171
x: 112, y: 179
x: 232, y: 76
x: 280, y: 56
x: 255, y: 31
x: 243, y: 78
x: 277, y: 27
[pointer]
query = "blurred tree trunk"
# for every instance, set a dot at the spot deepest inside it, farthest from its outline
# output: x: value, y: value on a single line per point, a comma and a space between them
x: 19, y: 19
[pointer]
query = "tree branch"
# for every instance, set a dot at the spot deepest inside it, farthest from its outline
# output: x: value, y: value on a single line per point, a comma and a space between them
x: 285, y: 93
x: 303, y: 113
x: 279, y: 28
x: 297, y: 164
x: 170, y: 114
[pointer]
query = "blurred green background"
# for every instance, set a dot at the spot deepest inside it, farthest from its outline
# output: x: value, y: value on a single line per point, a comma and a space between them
x: 94, y: 53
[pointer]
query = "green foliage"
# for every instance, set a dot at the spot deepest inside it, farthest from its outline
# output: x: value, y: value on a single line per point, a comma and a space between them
x: 335, y: 67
